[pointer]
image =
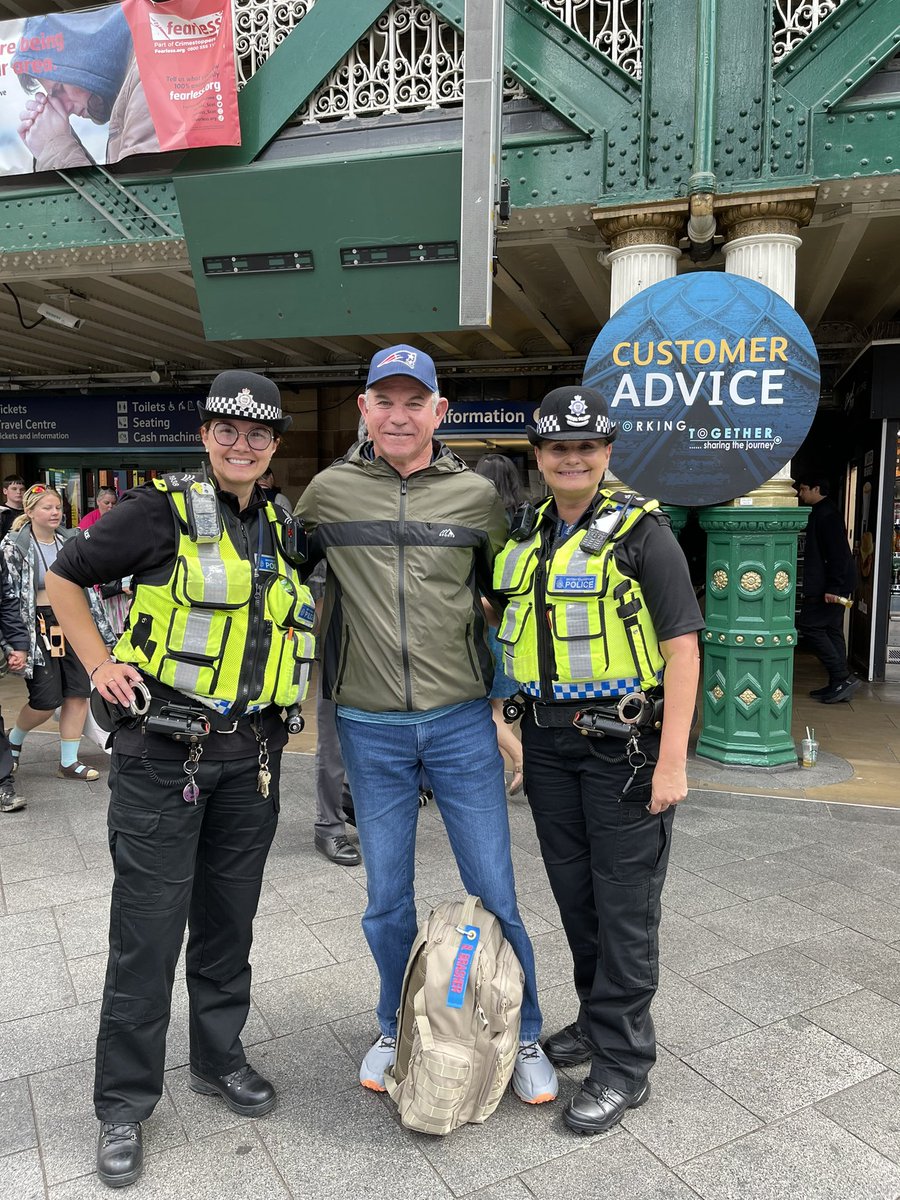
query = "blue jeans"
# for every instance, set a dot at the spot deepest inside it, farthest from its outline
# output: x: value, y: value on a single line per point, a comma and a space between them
x: 459, y: 752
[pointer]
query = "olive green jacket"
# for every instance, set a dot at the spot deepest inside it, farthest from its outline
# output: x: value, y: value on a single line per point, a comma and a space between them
x: 408, y: 559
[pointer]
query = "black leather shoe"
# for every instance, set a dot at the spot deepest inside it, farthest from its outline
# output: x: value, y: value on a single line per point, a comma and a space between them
x: 569, y: 1047
x: 339, y: 850
x: 818, y: 693
x: 842, y: 691
x: 244, y: 1091
x: 120, y: 1153
x: 597, y: 1108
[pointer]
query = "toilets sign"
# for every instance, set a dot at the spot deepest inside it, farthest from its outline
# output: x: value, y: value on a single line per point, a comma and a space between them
x: 714, y: 382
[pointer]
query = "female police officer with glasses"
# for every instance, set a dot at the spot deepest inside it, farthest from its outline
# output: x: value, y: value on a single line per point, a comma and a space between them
x: 600, y: 623
x: 216, y: 643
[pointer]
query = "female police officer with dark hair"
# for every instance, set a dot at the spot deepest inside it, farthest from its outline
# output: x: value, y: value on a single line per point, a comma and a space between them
x: 600, y: 622
x: 216, y: 643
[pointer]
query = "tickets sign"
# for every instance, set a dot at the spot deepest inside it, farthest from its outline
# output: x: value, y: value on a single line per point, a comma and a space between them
x: 714, y: 382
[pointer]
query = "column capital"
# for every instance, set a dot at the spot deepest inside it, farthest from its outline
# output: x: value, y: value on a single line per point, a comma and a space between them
x: 762, y: 213
x: 642, y: 225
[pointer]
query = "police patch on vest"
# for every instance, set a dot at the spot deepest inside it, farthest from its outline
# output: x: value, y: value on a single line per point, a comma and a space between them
x: 574, y: 583
x: 462, y: 964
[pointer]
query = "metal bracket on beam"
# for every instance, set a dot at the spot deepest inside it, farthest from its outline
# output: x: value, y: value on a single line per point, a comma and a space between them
x: 108, y: 195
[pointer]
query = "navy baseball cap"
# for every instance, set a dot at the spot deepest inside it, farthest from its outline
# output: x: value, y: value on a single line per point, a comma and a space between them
x: 403, y: 360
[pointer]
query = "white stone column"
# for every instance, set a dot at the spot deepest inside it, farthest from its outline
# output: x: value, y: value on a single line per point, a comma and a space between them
x: 761, y: 243
x: 636, y: 267
x: 769, y: 258
x: 644, y: 250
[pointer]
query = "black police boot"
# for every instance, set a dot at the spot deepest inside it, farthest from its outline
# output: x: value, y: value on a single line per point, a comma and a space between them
x: 597, y: 1108
x: 244, y: 1091
x: 120, y: 1153
x: 569, y: 1047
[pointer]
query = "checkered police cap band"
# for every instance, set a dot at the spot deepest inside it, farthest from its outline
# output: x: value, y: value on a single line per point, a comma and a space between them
x: 548, y: 425
x: 603, y: 426
x: 244, y: 406
x: 245, y: 396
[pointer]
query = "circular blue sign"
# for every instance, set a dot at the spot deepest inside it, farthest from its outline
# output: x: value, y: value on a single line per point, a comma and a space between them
x: 714, y: 382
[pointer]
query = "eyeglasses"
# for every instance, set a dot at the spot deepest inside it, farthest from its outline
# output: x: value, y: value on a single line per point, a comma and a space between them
x: 257, y: 439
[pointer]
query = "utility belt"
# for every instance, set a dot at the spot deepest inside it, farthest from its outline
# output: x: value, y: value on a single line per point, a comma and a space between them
x: 159, y: 709
x: 163, y: 710
x: 622, y: 718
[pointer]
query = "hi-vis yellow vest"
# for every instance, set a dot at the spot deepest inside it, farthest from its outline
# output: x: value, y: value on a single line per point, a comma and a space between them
x: 215, y: 629
x: 579, y: 619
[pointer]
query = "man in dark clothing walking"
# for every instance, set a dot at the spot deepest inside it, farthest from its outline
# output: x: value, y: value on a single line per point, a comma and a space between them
x: 829, y: 577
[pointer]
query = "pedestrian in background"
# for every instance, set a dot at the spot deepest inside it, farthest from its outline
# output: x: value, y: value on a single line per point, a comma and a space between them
x: 829, y: 578
x: 54, y: 675
x: 13, y: 491
x: 14, y: 647
x: 505, y: 478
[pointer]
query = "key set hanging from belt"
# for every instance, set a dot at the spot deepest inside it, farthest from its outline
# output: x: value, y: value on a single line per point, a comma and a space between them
x: 185, y: 723
x: 624, y: 720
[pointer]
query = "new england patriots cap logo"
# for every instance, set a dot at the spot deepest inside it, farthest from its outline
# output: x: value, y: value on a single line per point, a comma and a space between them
x: 403, y: 360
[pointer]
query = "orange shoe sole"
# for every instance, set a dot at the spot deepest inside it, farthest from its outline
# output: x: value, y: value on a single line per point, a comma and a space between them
x: 372, y: 1085
x: 544, y: 1098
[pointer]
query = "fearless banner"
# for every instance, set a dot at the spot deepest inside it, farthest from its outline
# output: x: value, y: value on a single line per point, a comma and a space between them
x: 104, y: 84
x: 714, y: 382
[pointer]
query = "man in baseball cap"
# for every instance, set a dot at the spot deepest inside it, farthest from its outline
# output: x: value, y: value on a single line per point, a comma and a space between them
x: 409, y: 534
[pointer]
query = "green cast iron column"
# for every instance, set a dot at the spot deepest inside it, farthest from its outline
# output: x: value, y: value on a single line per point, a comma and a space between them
x: 749, y: 639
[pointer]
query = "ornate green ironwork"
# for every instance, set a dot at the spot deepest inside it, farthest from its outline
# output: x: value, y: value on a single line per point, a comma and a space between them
x: 750, y: 636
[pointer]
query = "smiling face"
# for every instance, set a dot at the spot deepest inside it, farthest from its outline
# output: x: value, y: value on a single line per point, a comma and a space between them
x: 237, y: 467
x: 401, y: 418
x: 573, y: 470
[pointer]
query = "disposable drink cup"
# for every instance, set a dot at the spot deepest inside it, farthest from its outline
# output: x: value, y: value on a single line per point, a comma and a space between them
x: 809, y: 752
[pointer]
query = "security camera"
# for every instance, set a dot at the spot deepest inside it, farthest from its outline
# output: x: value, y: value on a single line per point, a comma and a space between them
x: 58, y: 317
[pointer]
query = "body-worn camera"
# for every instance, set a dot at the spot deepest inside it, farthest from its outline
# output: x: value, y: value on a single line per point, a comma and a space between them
x: 293, y: 719
x: 513, y: 708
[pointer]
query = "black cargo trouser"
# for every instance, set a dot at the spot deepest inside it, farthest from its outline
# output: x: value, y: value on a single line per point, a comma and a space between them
x: 823, y: 627
x: 606, y: 862
x: 178, y: 863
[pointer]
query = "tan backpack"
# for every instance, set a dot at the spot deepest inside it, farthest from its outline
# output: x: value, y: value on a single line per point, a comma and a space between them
x: 460, y: 1010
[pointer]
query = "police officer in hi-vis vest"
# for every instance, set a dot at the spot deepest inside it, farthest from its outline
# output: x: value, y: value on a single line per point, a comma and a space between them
x: 600, y: 632
x: 216, y: 645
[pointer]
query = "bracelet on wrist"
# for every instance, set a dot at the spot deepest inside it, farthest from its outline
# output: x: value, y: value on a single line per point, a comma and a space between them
x: 110, y: 659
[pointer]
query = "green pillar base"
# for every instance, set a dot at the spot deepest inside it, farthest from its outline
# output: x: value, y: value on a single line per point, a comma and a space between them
x: 749, y: 640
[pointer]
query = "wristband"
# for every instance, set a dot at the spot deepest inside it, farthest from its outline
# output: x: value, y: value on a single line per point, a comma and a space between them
x: 98, y: 666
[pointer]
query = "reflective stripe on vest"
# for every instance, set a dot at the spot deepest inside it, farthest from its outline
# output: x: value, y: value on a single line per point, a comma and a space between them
x: 600, y: 629
x: 217, y: 628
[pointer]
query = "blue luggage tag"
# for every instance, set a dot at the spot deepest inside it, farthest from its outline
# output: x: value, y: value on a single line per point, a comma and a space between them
x: 462, y: 964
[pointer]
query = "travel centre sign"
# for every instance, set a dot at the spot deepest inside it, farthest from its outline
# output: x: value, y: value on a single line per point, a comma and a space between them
x: 88, y: 423
x: 714, y: 382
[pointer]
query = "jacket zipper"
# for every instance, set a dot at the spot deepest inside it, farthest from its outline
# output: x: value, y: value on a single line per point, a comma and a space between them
x: 401, y: 597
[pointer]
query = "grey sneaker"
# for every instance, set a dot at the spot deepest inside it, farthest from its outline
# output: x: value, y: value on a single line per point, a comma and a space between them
x: 534, y: 1079
x: 9, y: 801
x: 376, y: 1062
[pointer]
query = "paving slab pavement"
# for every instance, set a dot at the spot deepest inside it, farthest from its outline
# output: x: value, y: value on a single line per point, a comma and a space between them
x: 777, y: 1018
